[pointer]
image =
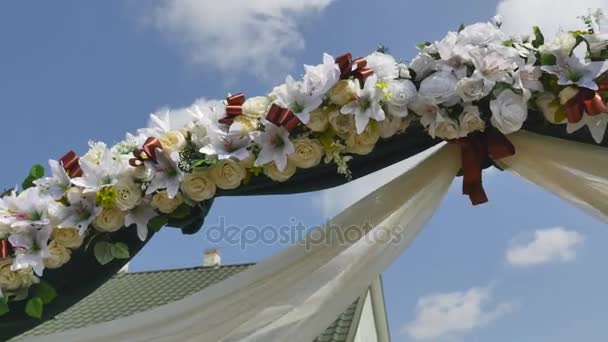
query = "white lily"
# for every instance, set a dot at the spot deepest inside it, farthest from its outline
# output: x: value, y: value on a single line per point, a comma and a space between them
x: 57, y: 184
x: 574, y: 70
x: 167, y: 121
x: 231, y: 144
x: 97, y: 176
x: 276, y: 146
x: 140, y: 216
x: 298, y: 99
x: 366, y: 106
x: 31, y: 247
x: 164, y: 174
x: 528, y: 76
x: 597, y: 125
x: 80, y: 213
x: 25, y: 211
x: 495, y: 64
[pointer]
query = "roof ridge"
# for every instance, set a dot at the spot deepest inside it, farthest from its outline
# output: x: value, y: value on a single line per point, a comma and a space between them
x: 193, y: 268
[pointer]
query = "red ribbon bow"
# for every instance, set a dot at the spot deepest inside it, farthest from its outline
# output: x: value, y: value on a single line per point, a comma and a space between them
x: 147, y: 152
x: 356, y: 68
x: 234, y: 108
x: 5, y: 249
x: 475, y: 149
x: 282, y: 117
x: 71, y: 164
x: 586, y: 100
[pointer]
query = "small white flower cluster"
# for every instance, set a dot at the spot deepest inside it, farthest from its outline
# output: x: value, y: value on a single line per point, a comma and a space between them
x: 464, y: 83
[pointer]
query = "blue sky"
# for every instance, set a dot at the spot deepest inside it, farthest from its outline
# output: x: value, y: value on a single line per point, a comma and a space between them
x: 72, y: 71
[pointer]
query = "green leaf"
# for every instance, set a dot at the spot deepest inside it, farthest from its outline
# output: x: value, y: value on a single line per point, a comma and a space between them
x: 103, y: 252
x: 421, y: 46
x: 181, y: 212
x: 461, y: 27
x: 33, y: 307
x: 156, y: 223
x: 120, y: 250
x: 548, y: 59
x: 45, y: 292
x: 36, y: 172
x: 539, y: 39
x: 4, y: 309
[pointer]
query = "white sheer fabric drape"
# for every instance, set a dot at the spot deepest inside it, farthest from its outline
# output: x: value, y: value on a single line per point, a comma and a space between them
x: 573, y: 171
x: 294, y: 295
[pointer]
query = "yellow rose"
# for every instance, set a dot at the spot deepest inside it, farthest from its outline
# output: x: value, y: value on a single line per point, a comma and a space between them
x: 549, y: 104
x: 245, y: 124
x: 256, y: 107
x: 273, y: 172
x: 198, y: 186
x: 164, y: 204
x: 307, y: 153
x: 172, y: 141
x: 343, y: 92
x: 128, y: 193
x: 343, y: 124
x: 318, y: 121
x: 227, y: 174
x: 364, y: 143
x: 58, y: 255
x: 109, y: 220
x: 67, y: 237
x: 15, y: 280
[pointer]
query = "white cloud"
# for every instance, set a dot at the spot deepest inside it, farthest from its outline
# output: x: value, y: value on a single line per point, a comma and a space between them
x: 548, y: 245
x: 519, y: 16
x: 237, y: 35
x: 455, y: 312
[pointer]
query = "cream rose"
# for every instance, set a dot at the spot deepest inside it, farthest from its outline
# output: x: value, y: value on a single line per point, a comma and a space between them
x: 67, y: 237
x: 444, y: 127
x: 343, y: 92
x: 509, y: 111
x: 244, y: 124
x: 15, y: 280
x: 172, y: 141
x: 567, y: 94
x: 58, y: 255
x: 318, y: 121
x: 364, y: 143
x: 343, y: 125
x: 307, y: 153
x: 273, y: 172
x: 164, y: 204
x: 470, y: 89
x: 256, y: 107
x: 470, y: 121
x: 391, y: 125
x: 227, y: 174
x: 128, y: 193
x: 549, y: 104
x: 198, y: 186
x: 109, y: 220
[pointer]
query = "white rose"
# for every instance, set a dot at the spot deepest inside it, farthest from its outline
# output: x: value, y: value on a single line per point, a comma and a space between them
x: 364, y: 143
x: 509, y: 111
x: 404, y: 71
x: 58, y: 255
x: 383, y: 65
x: 307, y: 153
x: 256, y: 107
x: 95, y: 152
x: 128, y: 193
x: 343, y: 125
x: 199, y: 134
x: 481, y: 34
x: 471, y: 89
x: 444, y: 127
x: 561, y: 45
x: 172, y: 141
x: 423, y: 65
x: 164, y: 204
x: 319, y: 78
x: 439, y: 87
x: 567, y: 94
x: 198, y: 186
x: 109, y: 220
x: 403, y: 93
x: 277, y: 90
x: 318, y: 121
x: 67, y: 237
x: 273, y: 172
x: 470, y: 120
x: 227, y: 174
x: 549, y: 104
x: 15, y: 280
x: 391, y: 125
x: 343, y: 92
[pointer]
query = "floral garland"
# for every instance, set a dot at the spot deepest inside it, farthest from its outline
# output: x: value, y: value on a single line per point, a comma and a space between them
x: 472, y: 81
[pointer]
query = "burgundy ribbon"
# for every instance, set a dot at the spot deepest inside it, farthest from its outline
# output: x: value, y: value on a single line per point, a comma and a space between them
x: 5, y: 249
x: 234, y: 108
x: 71, y: 164
x: 146, y: 152
x: 280, y: 116
x: 586, y: 100
x: 475, y: 149
x: 356, y: 68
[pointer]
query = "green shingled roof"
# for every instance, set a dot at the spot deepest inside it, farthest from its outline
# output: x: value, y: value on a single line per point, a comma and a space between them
x: 128, y: 293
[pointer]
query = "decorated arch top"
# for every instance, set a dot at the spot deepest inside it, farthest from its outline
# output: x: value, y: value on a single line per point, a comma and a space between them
x: 472, y: 87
